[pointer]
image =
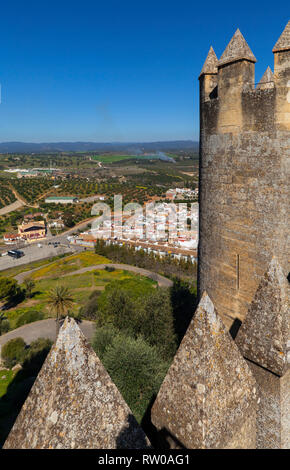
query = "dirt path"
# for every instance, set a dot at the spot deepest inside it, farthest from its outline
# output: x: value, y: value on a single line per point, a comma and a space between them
x: 18, y: 197
x: 11, y: 207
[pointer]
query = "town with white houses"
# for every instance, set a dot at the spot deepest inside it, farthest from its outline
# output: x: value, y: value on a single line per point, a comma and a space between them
x: 163, y: 228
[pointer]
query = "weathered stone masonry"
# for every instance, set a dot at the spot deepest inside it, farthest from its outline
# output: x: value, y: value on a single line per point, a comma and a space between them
x: 208, y: 399
x: 74, y: 404
x: 264, y: 340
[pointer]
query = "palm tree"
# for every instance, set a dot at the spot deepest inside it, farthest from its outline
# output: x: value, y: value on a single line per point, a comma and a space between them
x: 60, y: 300
x: 29, y: 286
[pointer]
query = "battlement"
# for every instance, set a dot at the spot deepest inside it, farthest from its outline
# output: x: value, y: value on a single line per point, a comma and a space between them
x: 230, y: 82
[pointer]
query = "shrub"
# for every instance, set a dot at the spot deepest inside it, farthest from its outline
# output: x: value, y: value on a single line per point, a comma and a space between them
x: 5, y: 327
x: 136, y: 369
x: 13, y: 352
x: 89, y: 310
x: 103, y: 339
x: 29, y: 317
x: 110, y: 269
x: 36, y: 354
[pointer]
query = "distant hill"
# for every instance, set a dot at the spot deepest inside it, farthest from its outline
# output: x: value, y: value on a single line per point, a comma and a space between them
x: 128, y: 147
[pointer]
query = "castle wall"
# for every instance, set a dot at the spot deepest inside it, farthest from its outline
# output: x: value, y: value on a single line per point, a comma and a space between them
x: 244, y: 190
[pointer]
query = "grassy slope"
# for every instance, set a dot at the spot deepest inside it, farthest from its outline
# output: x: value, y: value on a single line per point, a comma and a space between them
x: 81, y: 285
x: 69, y: 264
x: 6, y: 377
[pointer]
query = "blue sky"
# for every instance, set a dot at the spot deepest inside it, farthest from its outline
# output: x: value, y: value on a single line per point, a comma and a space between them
x: 118, y: 70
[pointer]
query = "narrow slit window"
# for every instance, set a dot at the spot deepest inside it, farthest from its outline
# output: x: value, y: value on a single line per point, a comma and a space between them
x: 238, y: 271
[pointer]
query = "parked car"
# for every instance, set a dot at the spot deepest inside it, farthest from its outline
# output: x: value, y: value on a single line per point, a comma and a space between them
x: 15, y: 253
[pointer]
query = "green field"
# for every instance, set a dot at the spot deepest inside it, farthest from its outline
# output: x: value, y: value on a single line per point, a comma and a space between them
x: 118, y: 158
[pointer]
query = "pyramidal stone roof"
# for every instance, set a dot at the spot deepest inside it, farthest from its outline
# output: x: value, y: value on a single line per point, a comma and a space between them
x: 74, y: 404
x: 237, y: 49
x: 283, y: 42
x: 210, y: 64
x: 209, y: 390
x: 267, y: 80
x: 264, y: 335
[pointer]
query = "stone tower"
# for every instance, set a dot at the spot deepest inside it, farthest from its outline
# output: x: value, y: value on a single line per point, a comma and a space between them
x: 244, y: 185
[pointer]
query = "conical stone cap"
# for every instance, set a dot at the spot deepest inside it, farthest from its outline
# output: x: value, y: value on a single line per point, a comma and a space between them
x: 209, y: 390
x: 210, y: 65
x: 74, y: 404
x: 283, y: 42
x: 267, y: 80
x: 237, y: 49
x: 264, y: 335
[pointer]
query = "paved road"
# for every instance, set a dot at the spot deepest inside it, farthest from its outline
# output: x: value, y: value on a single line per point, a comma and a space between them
x: 44, y: 329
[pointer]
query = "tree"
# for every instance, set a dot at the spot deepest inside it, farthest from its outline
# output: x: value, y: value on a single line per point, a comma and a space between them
x: 157, y: 322
x: 89, y: 310
x: 29, y: 286
x: 117, y: 308
x: 8, y: 288
x: 2, y: 321
x: 60, y: 301
x: 120, y: 304
x: 139, y: 310
x: 144, y: 371
x: 68, y: 219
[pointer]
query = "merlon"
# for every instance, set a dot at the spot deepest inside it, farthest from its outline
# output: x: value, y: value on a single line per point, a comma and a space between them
x: 237, y: 49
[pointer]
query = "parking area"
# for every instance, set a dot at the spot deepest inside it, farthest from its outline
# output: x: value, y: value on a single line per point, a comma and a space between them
x: 35, y: 252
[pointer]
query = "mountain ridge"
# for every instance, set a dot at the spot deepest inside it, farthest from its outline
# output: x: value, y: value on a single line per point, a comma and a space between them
x: 80, y: 146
